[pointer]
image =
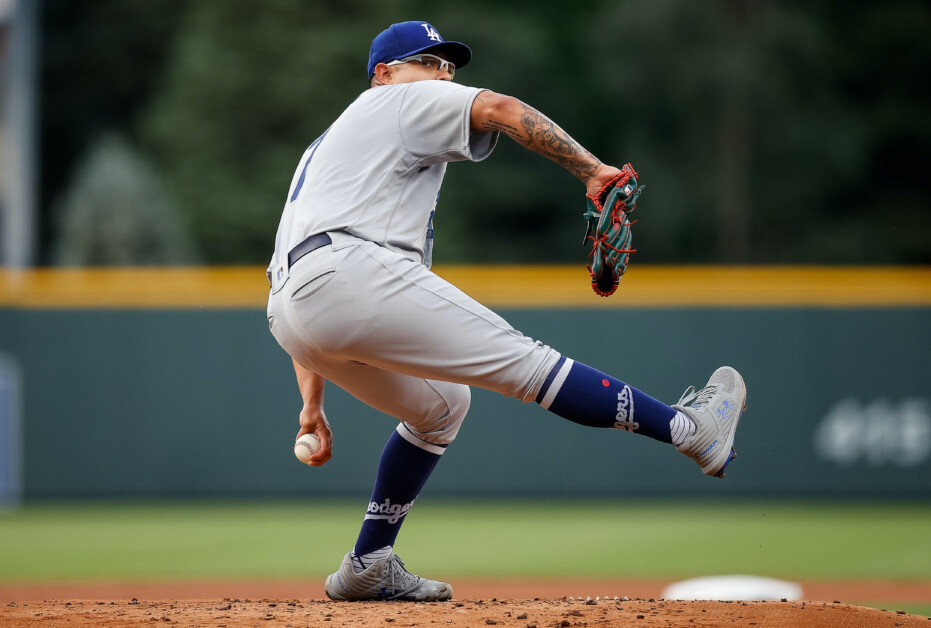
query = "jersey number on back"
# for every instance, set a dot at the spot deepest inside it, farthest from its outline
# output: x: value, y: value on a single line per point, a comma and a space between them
x: 313, y: 150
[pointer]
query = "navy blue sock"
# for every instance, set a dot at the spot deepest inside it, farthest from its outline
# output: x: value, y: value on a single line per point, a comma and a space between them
x: 589, y: 397
x: 402, y: 472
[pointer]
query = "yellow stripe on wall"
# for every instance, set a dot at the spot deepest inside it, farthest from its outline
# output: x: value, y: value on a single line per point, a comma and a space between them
x: 705, y: 286
x: 495, y: 286
x: 220, y: 287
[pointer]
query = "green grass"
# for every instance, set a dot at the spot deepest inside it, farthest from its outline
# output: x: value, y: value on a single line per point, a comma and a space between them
x: 476, y: 538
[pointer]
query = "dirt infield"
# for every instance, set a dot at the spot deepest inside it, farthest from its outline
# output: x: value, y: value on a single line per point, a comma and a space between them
x: 493, y: 612
x: 479, y: 603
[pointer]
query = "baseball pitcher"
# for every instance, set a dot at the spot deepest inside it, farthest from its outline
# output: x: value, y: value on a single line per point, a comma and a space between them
x: 353, y: 300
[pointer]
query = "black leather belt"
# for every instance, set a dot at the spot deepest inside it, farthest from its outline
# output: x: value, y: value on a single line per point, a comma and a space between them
x: 311, y: 243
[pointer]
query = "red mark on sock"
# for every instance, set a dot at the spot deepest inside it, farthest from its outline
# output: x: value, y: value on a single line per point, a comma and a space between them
x: 605, y: 383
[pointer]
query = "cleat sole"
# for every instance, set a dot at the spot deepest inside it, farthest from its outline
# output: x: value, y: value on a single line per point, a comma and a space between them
x: 720, y: 473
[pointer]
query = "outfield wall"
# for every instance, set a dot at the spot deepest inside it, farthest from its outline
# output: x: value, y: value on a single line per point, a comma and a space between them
x: 168, y: 384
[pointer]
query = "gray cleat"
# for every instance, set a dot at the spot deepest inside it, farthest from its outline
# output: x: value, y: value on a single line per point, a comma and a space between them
x: 385, y: 579
x: 716, y: 410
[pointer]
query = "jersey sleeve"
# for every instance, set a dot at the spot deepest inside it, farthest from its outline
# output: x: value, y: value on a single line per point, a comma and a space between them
x: 434, y: 124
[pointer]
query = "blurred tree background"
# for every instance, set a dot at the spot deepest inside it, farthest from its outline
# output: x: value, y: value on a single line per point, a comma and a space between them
x: 773, y: 132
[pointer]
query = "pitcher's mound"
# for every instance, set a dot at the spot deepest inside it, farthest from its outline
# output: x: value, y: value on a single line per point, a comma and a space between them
x: 474, y: 612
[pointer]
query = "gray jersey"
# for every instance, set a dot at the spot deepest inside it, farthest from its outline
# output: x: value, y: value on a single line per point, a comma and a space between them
x: 365, y: 312
x: 376, y: 172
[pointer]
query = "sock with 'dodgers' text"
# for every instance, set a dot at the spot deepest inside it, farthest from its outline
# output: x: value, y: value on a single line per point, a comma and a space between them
x: 402, y: 472
x: 587, y: 396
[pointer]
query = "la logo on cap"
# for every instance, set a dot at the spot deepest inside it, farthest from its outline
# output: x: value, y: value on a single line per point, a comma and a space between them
x: 431, y: 33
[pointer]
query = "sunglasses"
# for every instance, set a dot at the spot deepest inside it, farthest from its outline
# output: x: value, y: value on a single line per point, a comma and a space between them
x: 431, y: 62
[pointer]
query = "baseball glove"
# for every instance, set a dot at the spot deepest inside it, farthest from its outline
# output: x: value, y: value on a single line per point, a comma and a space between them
x: 609, y: 229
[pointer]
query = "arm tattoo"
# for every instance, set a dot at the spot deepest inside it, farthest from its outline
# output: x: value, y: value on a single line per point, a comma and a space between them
x: 494, y: 125
x: 543, y: 136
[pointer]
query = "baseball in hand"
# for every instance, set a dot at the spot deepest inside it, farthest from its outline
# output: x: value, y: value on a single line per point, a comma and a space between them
x: 306, y: 446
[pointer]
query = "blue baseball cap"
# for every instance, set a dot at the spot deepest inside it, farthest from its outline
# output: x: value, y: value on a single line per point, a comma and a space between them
x: 407, y: 38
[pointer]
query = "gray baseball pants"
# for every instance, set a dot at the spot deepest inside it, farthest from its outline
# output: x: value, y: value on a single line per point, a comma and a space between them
x: 400, y: 338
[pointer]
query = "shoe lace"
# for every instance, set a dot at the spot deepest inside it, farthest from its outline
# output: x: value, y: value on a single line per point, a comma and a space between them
x: 399, y: 574
x: 696, y: 399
